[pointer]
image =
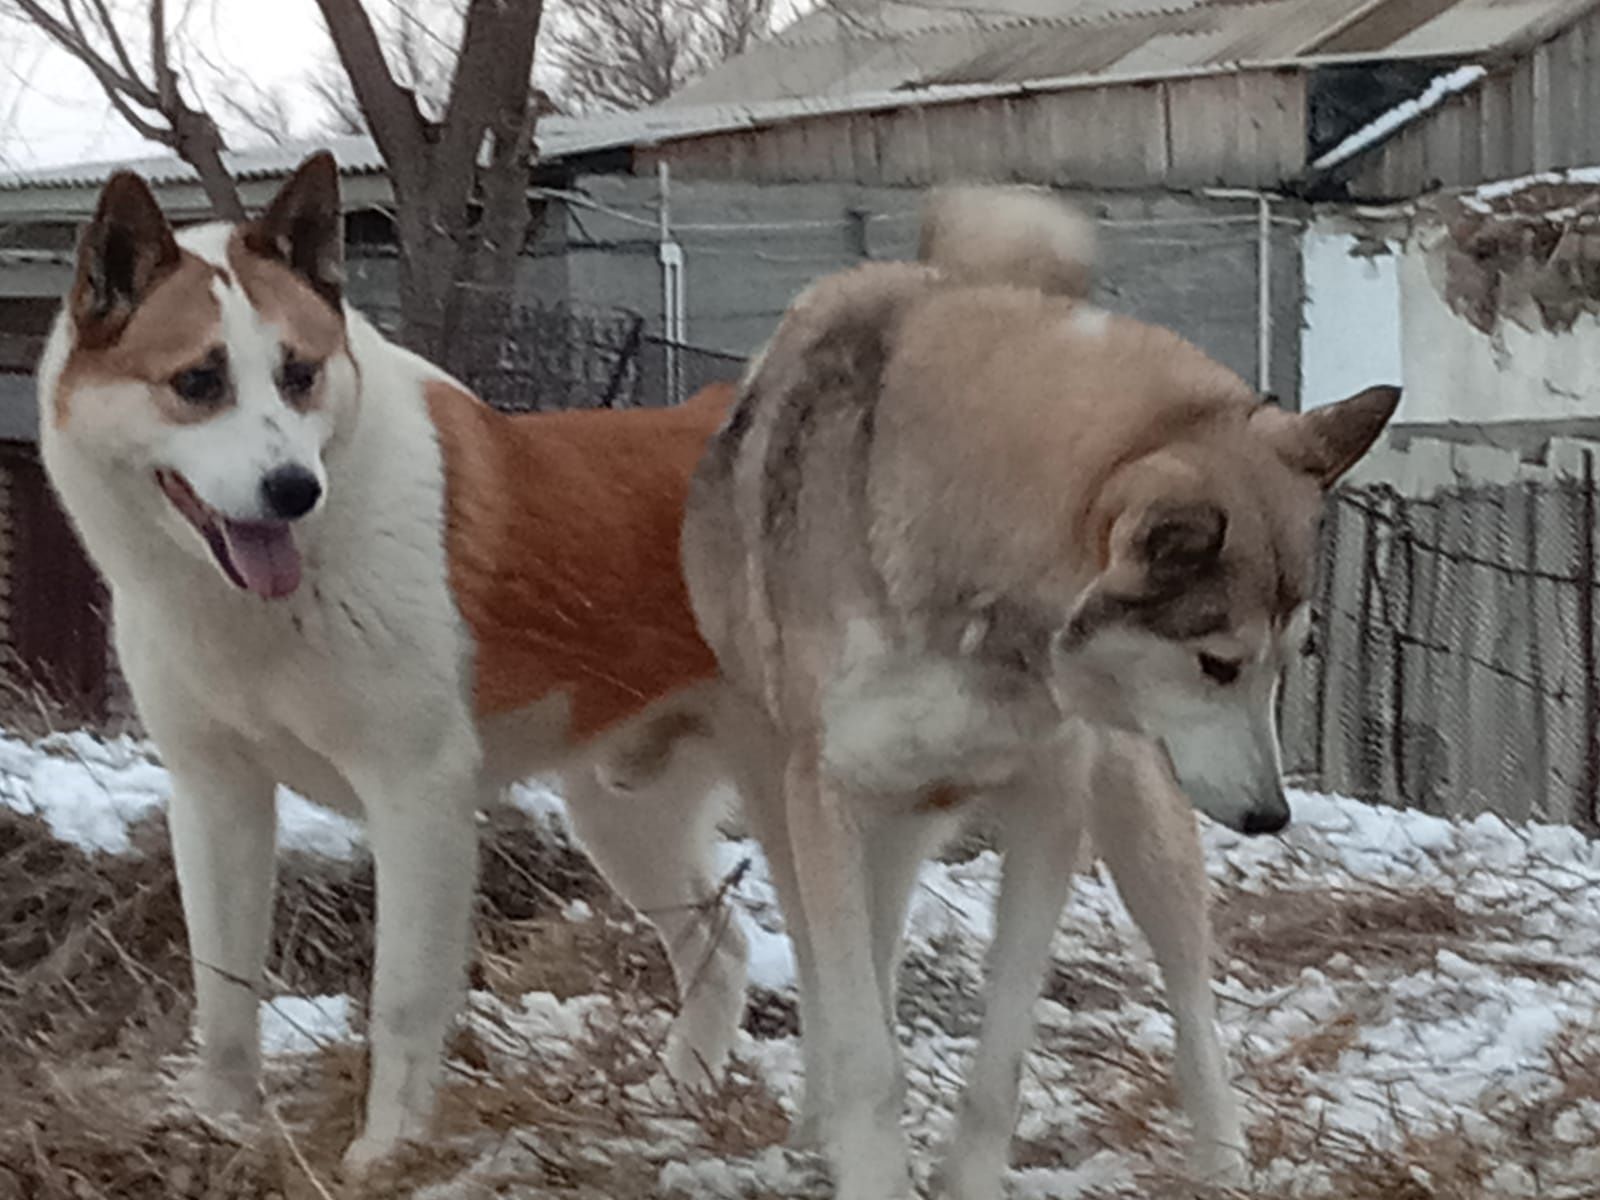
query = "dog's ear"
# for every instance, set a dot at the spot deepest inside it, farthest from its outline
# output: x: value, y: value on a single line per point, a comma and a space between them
x: 303, y: 228
x: 1154, y: 554
x: 126, y: 250
x: 1326, y: 442
x: 1173, y: 541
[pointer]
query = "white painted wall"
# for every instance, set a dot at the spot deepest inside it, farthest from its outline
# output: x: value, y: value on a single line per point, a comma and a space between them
x: 1351, y: 336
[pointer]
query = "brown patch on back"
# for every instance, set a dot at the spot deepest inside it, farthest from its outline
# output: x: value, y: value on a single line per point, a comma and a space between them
x: 562, y: 534
x: 173, y: 328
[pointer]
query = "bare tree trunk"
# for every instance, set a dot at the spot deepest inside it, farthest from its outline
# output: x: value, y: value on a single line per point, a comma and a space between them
x: 198, y: 142
x: 460, y: 183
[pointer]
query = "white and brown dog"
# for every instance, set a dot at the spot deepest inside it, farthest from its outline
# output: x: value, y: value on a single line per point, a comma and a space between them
x: 964, y: 537
x: 334, y: 569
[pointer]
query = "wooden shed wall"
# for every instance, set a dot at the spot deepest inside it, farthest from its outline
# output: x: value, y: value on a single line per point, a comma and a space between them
x: 1184, y: 132
x: 1540, y: 112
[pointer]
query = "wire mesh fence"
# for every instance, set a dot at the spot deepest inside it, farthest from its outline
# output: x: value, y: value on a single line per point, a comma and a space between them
x: 556, y: 357
x: 1452, y: 666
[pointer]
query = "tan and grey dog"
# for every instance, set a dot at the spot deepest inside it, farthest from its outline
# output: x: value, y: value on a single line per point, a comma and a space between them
x: 965, y: 538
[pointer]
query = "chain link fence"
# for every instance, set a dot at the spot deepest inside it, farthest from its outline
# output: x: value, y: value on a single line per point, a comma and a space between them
x: 553, y: 357
x: 1453, y: 660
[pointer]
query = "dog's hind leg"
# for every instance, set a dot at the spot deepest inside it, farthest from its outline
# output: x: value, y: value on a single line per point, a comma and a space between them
x: 1040, y: 824
x: 653, y: 839
x: 865, y: 1082
x: 1144, y: 828
x: 223, y: 827
x: 757, y: 759
x: 896, y: 847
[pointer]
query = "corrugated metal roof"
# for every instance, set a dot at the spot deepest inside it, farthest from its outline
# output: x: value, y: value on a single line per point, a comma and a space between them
x: 565, y: 137
x: 912, y: 44
x: 356, y: 155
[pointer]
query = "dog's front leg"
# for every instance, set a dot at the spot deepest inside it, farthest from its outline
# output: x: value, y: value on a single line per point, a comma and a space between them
x: 862, y: 1068
x: 223, y: 826
x: 1041, y: 822
x: 1144, y: 827
x: 421, y: 826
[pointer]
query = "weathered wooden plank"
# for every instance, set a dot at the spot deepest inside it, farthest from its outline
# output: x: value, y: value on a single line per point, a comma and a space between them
x: 1440, y: 140
x: 1028, y: 140
x: 1572, y: 115
x: 1204, y: 149
x: 1541, y: 113
x: 863, y: 149
x: 1129, y: 131
x: 1494, y: 129
x: 903, y: 147
x: 1284, y: 153
x: 1522, y: 156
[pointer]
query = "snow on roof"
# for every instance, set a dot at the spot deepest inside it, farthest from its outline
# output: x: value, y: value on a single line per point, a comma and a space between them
x: 1439, y: 89
x: 1501, y: 189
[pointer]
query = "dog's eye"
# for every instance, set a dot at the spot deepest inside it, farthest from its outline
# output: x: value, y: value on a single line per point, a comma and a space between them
x: 296, y: 378
x: 203, y: 386
x: 1219, y: 670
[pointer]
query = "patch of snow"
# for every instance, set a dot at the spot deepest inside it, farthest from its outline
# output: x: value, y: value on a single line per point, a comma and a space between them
x: 541, y: 801
x: 88, y: 792
x: 1457, y: 1034
x: 1439, y: 89
x: 303, y: 1024
x: 312, y: 829
x: 1506, y: 187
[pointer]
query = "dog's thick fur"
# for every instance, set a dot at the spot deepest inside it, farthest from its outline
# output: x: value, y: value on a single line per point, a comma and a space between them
x: 965, y: 537
x: 332, y: 568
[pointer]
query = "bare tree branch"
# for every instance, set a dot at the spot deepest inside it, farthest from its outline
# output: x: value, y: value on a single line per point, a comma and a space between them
x: 118, y: 46
x: 390, y: 110
x: 260, y: 110
x: 154, y: 107
x: 160, y: 64
x: 341, y: 108
x: 631, y: 53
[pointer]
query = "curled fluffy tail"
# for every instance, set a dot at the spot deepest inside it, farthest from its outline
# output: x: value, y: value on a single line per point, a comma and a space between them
x: 1016, y: 235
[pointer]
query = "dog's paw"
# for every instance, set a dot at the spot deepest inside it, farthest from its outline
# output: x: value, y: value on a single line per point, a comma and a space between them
x: 805, y: 1131
x: 1219, y: 1164
x: 971, y: 1172
x: 231, y: 1101
x: 691, y: 1064
x: 367, y: 1154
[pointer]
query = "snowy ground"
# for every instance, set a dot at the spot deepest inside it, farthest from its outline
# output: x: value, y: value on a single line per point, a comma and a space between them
x: 1412, y: 1006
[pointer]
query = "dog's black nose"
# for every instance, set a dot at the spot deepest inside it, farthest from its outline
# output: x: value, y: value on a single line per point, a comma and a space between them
x: 1265, y: 820
x: 290, y: 492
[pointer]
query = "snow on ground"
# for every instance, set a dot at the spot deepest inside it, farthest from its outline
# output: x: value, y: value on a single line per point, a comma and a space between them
x: 1390, y: 982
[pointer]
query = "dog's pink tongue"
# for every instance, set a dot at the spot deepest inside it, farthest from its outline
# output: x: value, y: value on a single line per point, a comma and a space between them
x: 265, y: 556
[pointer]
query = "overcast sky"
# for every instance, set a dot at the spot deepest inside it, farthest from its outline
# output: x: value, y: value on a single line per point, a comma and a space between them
x: 53, y: 112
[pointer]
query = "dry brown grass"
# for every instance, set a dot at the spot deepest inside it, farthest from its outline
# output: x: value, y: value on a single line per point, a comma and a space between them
x: 1271, y: 937
x: 94, y: 996
x: 94, y: 1000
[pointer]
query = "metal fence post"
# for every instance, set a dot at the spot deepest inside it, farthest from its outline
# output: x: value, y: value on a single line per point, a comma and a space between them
x: 1588, y: 816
